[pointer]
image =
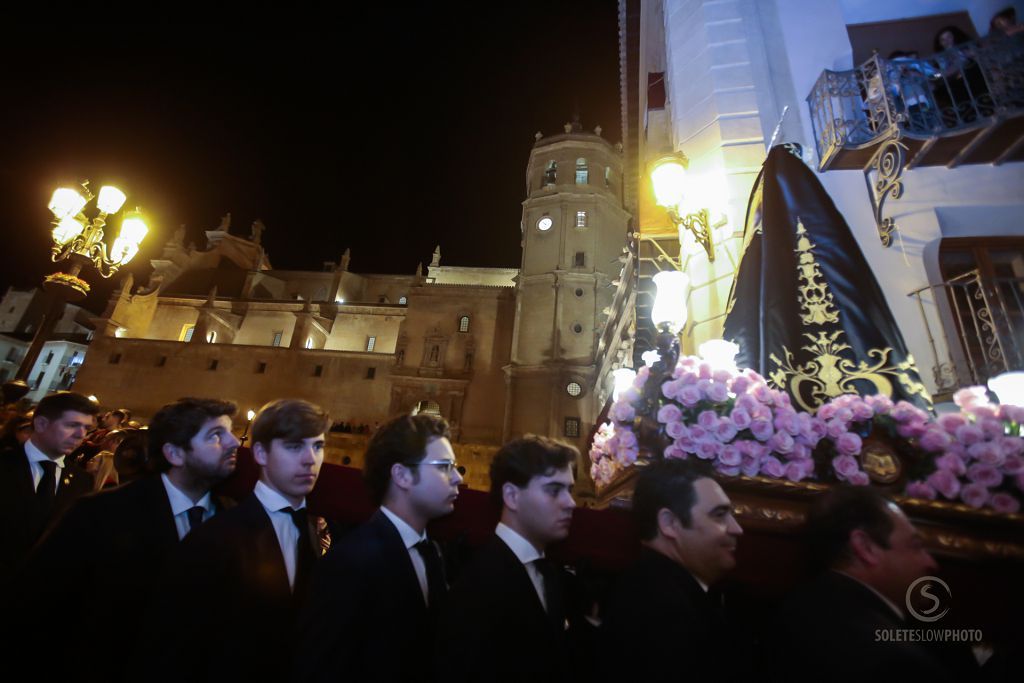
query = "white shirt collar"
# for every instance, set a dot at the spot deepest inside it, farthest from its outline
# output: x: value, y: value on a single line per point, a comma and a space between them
x: 272, y: 500
x: 881, y: 597
x: 36, y: 455
x: 522, y: 548
x: 410, y: 536
x: 182, y: 503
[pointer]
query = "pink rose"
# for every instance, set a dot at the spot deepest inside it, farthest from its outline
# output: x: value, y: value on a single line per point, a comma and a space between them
x: 987, y: 452
x: 708, y: 419
x: 879, y: 403
x: 622, y: 412
x: 818, y: 430
x: 698, y: 433
x: 786, y: 420
x: 1010, y: 413
x: 1013, y: 464
x: 669, y: 413
x: 689, y: 395
x: 674, y: 451
x: 945, y: 482
x: 935, y: 439
x: 761, y: 429
x: 721, y: 376
x: 676, y: 430
x: 751, y: 465
x: 951, y: 421
x: 919, y: 489
x: 671, y: 389
x: 762, y: 393
x: 848, y: 443
x: 627, y: 438
x: 739, y: 385
x: 798, y: 470
x: 952, y: 463
x: 906, y: 412
x: 844, y: 414
x: 753, y: 376
x: 1011, y: 445
x: 730, y: 456
x: 627, y: 456
x: 835, y: 428
x: 975, y: 495
x: 780, y: 399
x: 781, y: 442
x: 800, y: 451
x: 747, y: 402
x: 970, y: 396
x: 862, y: 411
x: 729, y: 471
x: 718, y: 393
x: 630, y: 395
x: 984, y: 412
x: 912, y: 429
x: 983, y: 474
x: 1004, y: 503
x: 641, y: 377
x: 761, y: 412
x: 992, y: 427
x: 725, y: 431
x: 969, y: 434
x: 827, y: 411
x: 704, y: 370
x: 740, y: 417
x: 771, y: 467
x: 708, y: 449
x: 845, y: 466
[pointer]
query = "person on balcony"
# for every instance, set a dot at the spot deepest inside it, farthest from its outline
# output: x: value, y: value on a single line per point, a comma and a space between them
x: 959, y: 86
x: 1004, y: 24
x: 908, y: 85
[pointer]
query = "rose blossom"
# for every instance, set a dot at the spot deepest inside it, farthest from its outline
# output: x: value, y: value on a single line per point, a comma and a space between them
x: 730, y: 471
x: 771, y: 466
x: 747, y: 402
x: 1011, y: 413
x: 844, y: 414
x: 912, y: 429
x: 739, y: 384
x: 786, y: 419
x: 725, y: 430
x: 676, y: 430
x: 984, y: 412
x: 627, y: 438
x: 718, y: 393
x: 800, y: 451
x: 975, y: 495
x: 862, y: 411
x: 781, y: 442
x: 1005, y: 503
x: 762, y: 393
x: 669, y: 413
x: 751, y: 465
x: 951, y: 421
x: 951, y: 463
x: 848, y: 444
x: 794, y: 472
x: 630, y: 395
x: 827, y: 411
x: 919, y: 489
x: 689, y: 395
x: 708, y: 449
x: 674, y: 451
x: 704, y: 370
x: 935, y: 439
x: 859, y: 479
x: 761, y: 429
x: 983, y: 474
x: 708, y: 419
x: 740, y: 417
x: 1011, y: 445
x: 969, y: 434
x: 987, y: 452
x: 641, y: 376
x: 835, y: 427
x: 730, y: 456
x: 671, y: 389
x: 622, y: 412
x: 880, y: 403
x: 845, y: 466
x: 1013, y: 464
x: 970, y: 396
x: 907, y: 412
x: 992, y: 427
x: 721, y: 376
x: 945, y: 482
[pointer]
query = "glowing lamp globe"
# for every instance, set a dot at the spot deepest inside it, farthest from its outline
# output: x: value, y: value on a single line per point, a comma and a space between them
x: 110, y: 199
x: 67, y: 230
x: 623, y: 378
x: 720, y: 353
x: 670, y: 301
x: 66, y: 202
x: 669, y: 180
x: 1009, y: 387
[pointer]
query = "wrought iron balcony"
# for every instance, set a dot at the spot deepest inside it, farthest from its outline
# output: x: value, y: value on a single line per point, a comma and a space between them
x: 961, y: 106
x: 981, y: 321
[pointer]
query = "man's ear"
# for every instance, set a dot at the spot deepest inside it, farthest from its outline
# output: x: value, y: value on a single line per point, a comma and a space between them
x: 259, y: 454
x: 40, y: 423
x: 863, y: 547
x: 401, y: 476
x: 668, y: 523
x: 174, y: 454
x: 510, y: 496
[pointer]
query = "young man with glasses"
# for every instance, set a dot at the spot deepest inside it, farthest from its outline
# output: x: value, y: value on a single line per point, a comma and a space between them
x: 374, y: 601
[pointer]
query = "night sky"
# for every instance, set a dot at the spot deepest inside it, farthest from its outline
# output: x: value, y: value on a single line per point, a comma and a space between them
x: 385, y: 130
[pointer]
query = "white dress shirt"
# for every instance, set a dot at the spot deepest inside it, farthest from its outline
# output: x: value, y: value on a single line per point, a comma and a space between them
x: 36, y: 456
x: 410, y: 537
x: 284, y: 526
x: 181, y: 504
x: 526, y: 554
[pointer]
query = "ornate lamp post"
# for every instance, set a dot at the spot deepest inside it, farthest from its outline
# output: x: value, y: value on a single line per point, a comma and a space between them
x: 78, y: 240
x: 671, y: 182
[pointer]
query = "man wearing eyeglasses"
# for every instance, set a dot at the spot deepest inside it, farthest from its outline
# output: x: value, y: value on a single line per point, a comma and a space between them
x: 505, y: 617
x: 375, y: 596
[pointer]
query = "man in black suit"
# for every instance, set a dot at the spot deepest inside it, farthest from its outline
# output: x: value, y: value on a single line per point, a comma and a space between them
x: 113, y: 545
x: 230, y: 597
x: 872, y: 555
x: 505, y: 616
x: 661, y: 611
x: 372, y: 612
x: 37, y: 484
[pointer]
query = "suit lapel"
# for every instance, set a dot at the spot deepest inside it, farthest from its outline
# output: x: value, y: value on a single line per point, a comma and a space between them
x: 158, y: 510
x: 522, y: 584
x: 397, y: 556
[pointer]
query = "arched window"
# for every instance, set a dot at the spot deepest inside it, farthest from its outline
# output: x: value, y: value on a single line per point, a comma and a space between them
x: 550, y: 174
x: 464, y: 324
x: 581, y: 171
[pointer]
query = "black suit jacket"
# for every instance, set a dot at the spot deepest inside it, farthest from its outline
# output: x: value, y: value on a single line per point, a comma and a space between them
x: 673, y: 629
x: 20, y: 527
x: 226, y: 611
x: 97, y: 570
x: 365, y: 618
x: 827, y: 630
x: 494, y: 627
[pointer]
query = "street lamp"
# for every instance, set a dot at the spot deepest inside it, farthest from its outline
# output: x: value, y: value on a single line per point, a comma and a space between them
x: 245, y: 435
x: 676, y: 191
x: 78, y: 240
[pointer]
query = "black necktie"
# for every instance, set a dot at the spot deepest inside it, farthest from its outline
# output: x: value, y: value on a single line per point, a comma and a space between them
x: 550, y: 575
x: 303, y: 549
x: 436, y: 586
x: 46, y: 492
x: 195, y: 517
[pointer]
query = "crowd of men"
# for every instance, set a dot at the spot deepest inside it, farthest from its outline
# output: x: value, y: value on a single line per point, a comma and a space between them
x: 159, y: 579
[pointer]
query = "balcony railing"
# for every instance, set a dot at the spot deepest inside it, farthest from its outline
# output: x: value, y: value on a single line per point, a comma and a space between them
x: 961, y: 106
x: 981, y: 325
